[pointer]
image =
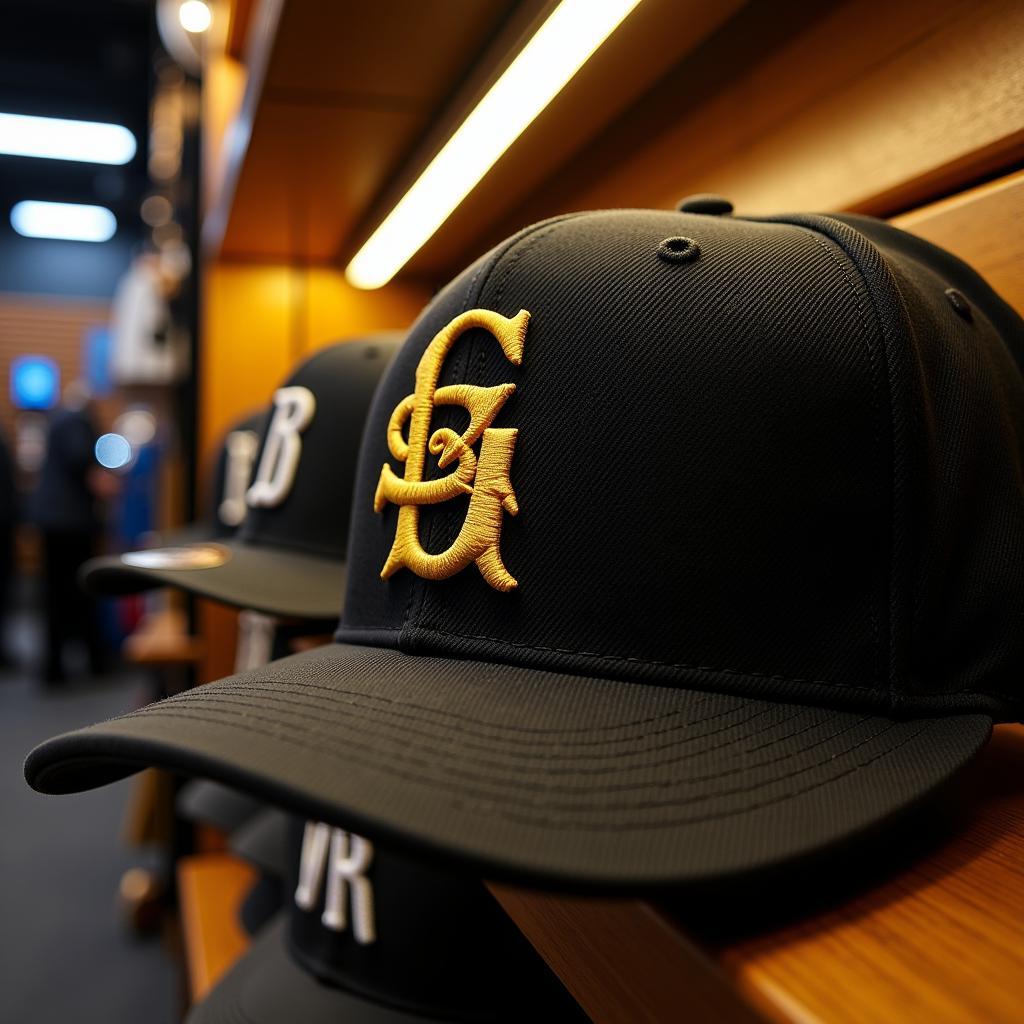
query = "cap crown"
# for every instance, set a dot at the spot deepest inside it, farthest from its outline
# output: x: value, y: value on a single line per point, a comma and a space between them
x: 318, y: 414
x: 766, y: 456
x: 235, y: 461
x: 402, y: 933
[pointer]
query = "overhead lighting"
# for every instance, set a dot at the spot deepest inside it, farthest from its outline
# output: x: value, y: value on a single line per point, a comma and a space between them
x: 194, y: 16
x: 76, y: 222
x: 55, y: 138
x: 561, y: 46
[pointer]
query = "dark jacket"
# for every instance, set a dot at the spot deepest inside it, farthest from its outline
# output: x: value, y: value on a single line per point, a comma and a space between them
x: 62, y: 501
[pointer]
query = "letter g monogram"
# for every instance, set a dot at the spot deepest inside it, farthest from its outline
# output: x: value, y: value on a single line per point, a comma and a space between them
x: 484, y: 477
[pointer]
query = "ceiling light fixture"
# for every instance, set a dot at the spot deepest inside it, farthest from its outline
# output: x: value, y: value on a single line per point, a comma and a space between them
x: 194, y: 16
x: 56, y: 138
x: 560, y: 47
x: 74, y: 222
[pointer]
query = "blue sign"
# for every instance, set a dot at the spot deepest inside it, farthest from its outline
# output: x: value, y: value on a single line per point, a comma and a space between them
x: 97, y: 345
x: 35, y: 382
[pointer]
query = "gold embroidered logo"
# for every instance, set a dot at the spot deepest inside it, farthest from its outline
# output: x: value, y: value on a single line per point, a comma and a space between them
x: 485, y: 478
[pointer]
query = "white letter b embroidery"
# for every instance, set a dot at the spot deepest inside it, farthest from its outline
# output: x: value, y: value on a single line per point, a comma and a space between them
x: 293, y: 410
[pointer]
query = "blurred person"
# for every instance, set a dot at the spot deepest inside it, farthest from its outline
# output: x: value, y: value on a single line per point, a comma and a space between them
x: 8, y: 519
x: 64, y: 507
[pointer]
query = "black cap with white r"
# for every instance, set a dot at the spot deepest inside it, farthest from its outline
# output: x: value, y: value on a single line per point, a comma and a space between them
x: 377, y: 938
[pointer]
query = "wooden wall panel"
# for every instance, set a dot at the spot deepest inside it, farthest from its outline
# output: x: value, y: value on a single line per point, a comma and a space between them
x: 43, y: 325
x: 240, y: 20
x: 336, y: 310
x: 869, y: 105
x: 245, y: 350
x: 985, y: 227
x: 224, y: 81
x: 259, y: 321
x: 246, y: 344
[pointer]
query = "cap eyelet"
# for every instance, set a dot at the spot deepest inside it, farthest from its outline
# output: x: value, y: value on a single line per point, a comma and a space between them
x: 959, y: 303
x: 678, y: 249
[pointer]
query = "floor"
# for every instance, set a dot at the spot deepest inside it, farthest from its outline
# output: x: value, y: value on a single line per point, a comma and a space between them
x: 64, y: 954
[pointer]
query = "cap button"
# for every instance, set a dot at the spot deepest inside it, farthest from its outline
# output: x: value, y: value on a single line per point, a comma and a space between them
x: 714, y: 206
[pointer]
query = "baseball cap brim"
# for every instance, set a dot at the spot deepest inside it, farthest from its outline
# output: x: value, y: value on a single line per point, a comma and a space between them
x: 266, y: 986
x: 274, y: 580
x: 528, y: 774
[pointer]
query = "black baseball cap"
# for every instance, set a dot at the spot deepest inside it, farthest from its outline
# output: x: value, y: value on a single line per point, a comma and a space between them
x: 383, y: 940
x: 722, y: 569
x: 262, y: 841
x: 224, y: 508
x: 261, y: 904
x: 288, y: 556
x: 209, y: 803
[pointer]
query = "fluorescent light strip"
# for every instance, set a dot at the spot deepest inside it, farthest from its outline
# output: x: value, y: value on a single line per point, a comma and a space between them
x: 55, y: 138
x: 561, y: 46
x: 74, y: 222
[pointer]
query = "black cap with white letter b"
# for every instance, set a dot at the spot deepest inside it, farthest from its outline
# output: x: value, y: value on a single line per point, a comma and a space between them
x: 288, y: 556
x: 224, y: 506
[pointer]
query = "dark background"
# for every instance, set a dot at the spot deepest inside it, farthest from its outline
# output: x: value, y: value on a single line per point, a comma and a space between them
x: 86, y: 61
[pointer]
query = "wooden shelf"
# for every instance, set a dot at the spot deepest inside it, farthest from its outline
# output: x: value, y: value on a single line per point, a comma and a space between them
x: 940, y: 939
x: 983, y: 226
x: 211, y: 888
x: 322, y: 148
x: 162, y: 638
x: 317, y: 131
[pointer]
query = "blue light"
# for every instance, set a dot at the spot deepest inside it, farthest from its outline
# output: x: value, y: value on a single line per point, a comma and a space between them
x: 35, y: 382
x: 113, y: 451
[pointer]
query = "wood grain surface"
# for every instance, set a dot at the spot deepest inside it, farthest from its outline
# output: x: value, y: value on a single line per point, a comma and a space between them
x: 924, y: 925
x: 624, y: 961
x: 162, y: 639
x: 985, y: 227
x: 862, y: 105
x: 941, y: 941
